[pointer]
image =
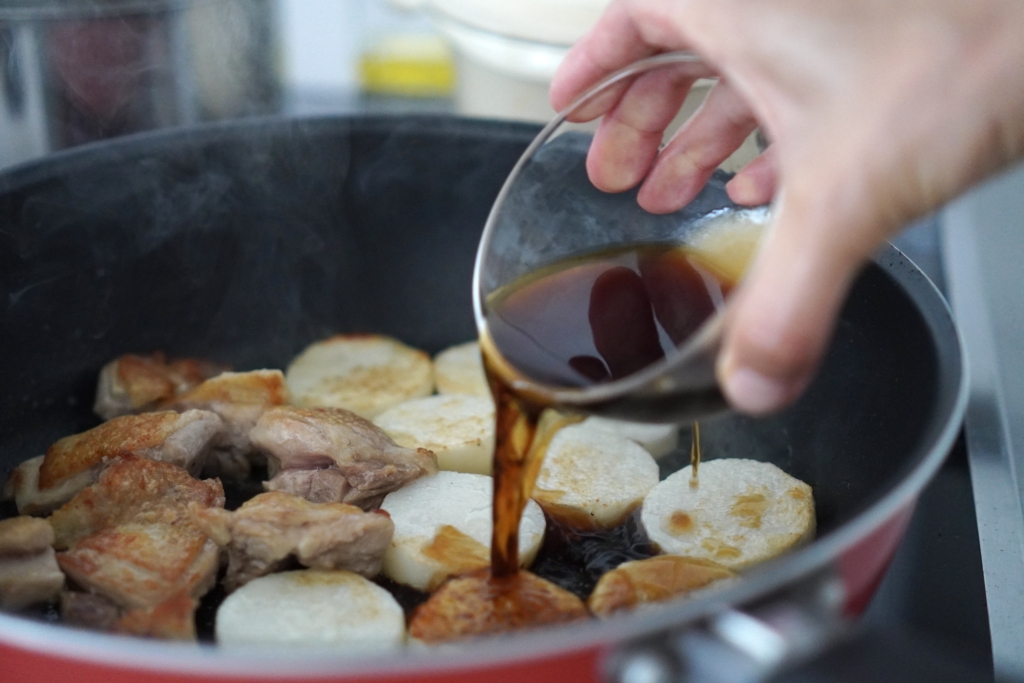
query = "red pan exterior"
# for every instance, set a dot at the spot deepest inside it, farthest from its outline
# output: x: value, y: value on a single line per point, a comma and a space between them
x: 862, y: 566
x: 23, y: 666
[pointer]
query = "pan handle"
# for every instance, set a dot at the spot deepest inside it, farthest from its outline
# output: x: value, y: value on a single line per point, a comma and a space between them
x: 870, y: 655
x: 799, y: 636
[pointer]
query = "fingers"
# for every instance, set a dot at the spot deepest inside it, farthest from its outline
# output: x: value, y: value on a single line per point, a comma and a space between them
x: 756, y: 182
x: 611, y: 44
x: 714, y: 132
x: 627, y: 141
x: 782, y: 318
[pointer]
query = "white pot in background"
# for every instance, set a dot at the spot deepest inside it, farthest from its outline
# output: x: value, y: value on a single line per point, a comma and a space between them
x: 508, y: 50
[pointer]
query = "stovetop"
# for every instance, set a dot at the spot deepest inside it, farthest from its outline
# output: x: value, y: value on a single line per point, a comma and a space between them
x: 982, y: 238
x: 958, y: 577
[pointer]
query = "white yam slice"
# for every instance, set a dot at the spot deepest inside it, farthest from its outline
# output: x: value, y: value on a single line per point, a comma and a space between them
x: 741, y: 512
x: 364, y: 373
x: 457, y: 428
x: 460, y: 370
x: 591, y: 479
x: 312, y: 608
x: 23, y: 487
x: 658, y: 440
x: 443, y: 528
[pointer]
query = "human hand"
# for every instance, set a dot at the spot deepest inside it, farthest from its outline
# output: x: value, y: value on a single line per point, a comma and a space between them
x: 877, y: 111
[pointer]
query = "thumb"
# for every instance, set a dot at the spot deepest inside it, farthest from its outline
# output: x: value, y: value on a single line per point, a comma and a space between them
x: 783, y: 316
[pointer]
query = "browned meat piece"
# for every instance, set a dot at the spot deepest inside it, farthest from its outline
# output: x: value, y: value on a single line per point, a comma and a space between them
x: 477, y: 605
x: 28, y: 569
x: 132, y: 540
x: 134, y: 384
x: 133, y: 489
x: 272, y: 528
x: 171, y: 619
x: 140, y: 565
x: 180, y: 439
x: 240, y: 398
x: 326, y: 485
x: 88, y: 610
x: 309, y: 448
x: 654, y: 579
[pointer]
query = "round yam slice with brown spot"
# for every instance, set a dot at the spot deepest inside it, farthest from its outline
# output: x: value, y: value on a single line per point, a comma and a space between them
x: 443, y: 528
x: 591, y: 479
x: 740, y: 513
x: 363, y: 373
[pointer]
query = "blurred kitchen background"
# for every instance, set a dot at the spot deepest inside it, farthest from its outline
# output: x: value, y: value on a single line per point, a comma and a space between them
x: 74, y: 71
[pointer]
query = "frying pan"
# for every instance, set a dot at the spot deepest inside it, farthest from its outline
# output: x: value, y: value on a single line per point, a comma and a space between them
x: 244, y: 242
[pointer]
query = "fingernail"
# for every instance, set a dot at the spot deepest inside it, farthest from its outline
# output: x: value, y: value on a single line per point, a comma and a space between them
x: 751, y: 392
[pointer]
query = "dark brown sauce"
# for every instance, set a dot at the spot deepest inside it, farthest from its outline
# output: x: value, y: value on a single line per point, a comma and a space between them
x: 580, y: 322
x: 603, y: 316
x: 575, y: 560
x: 695, y: 456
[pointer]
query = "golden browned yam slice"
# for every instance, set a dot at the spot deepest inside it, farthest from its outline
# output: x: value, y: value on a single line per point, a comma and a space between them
x: 272, y: 528
x: 28, y: 569
x: 181, y: 439
x: 477, y: 605
x: 364, y: 373
x: 139, y: 565
x: 239, y: 398
x: 23, y: 486
x: 443, y: 528
x: 133, y: 489
x: 330, y: 455
x: 135, y: 383
x: 739, y: 513
x: 460, y: 370
x: 591, y: 479
x: 457, y: 428
x: 172, y: 619
x: 655, y: 579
